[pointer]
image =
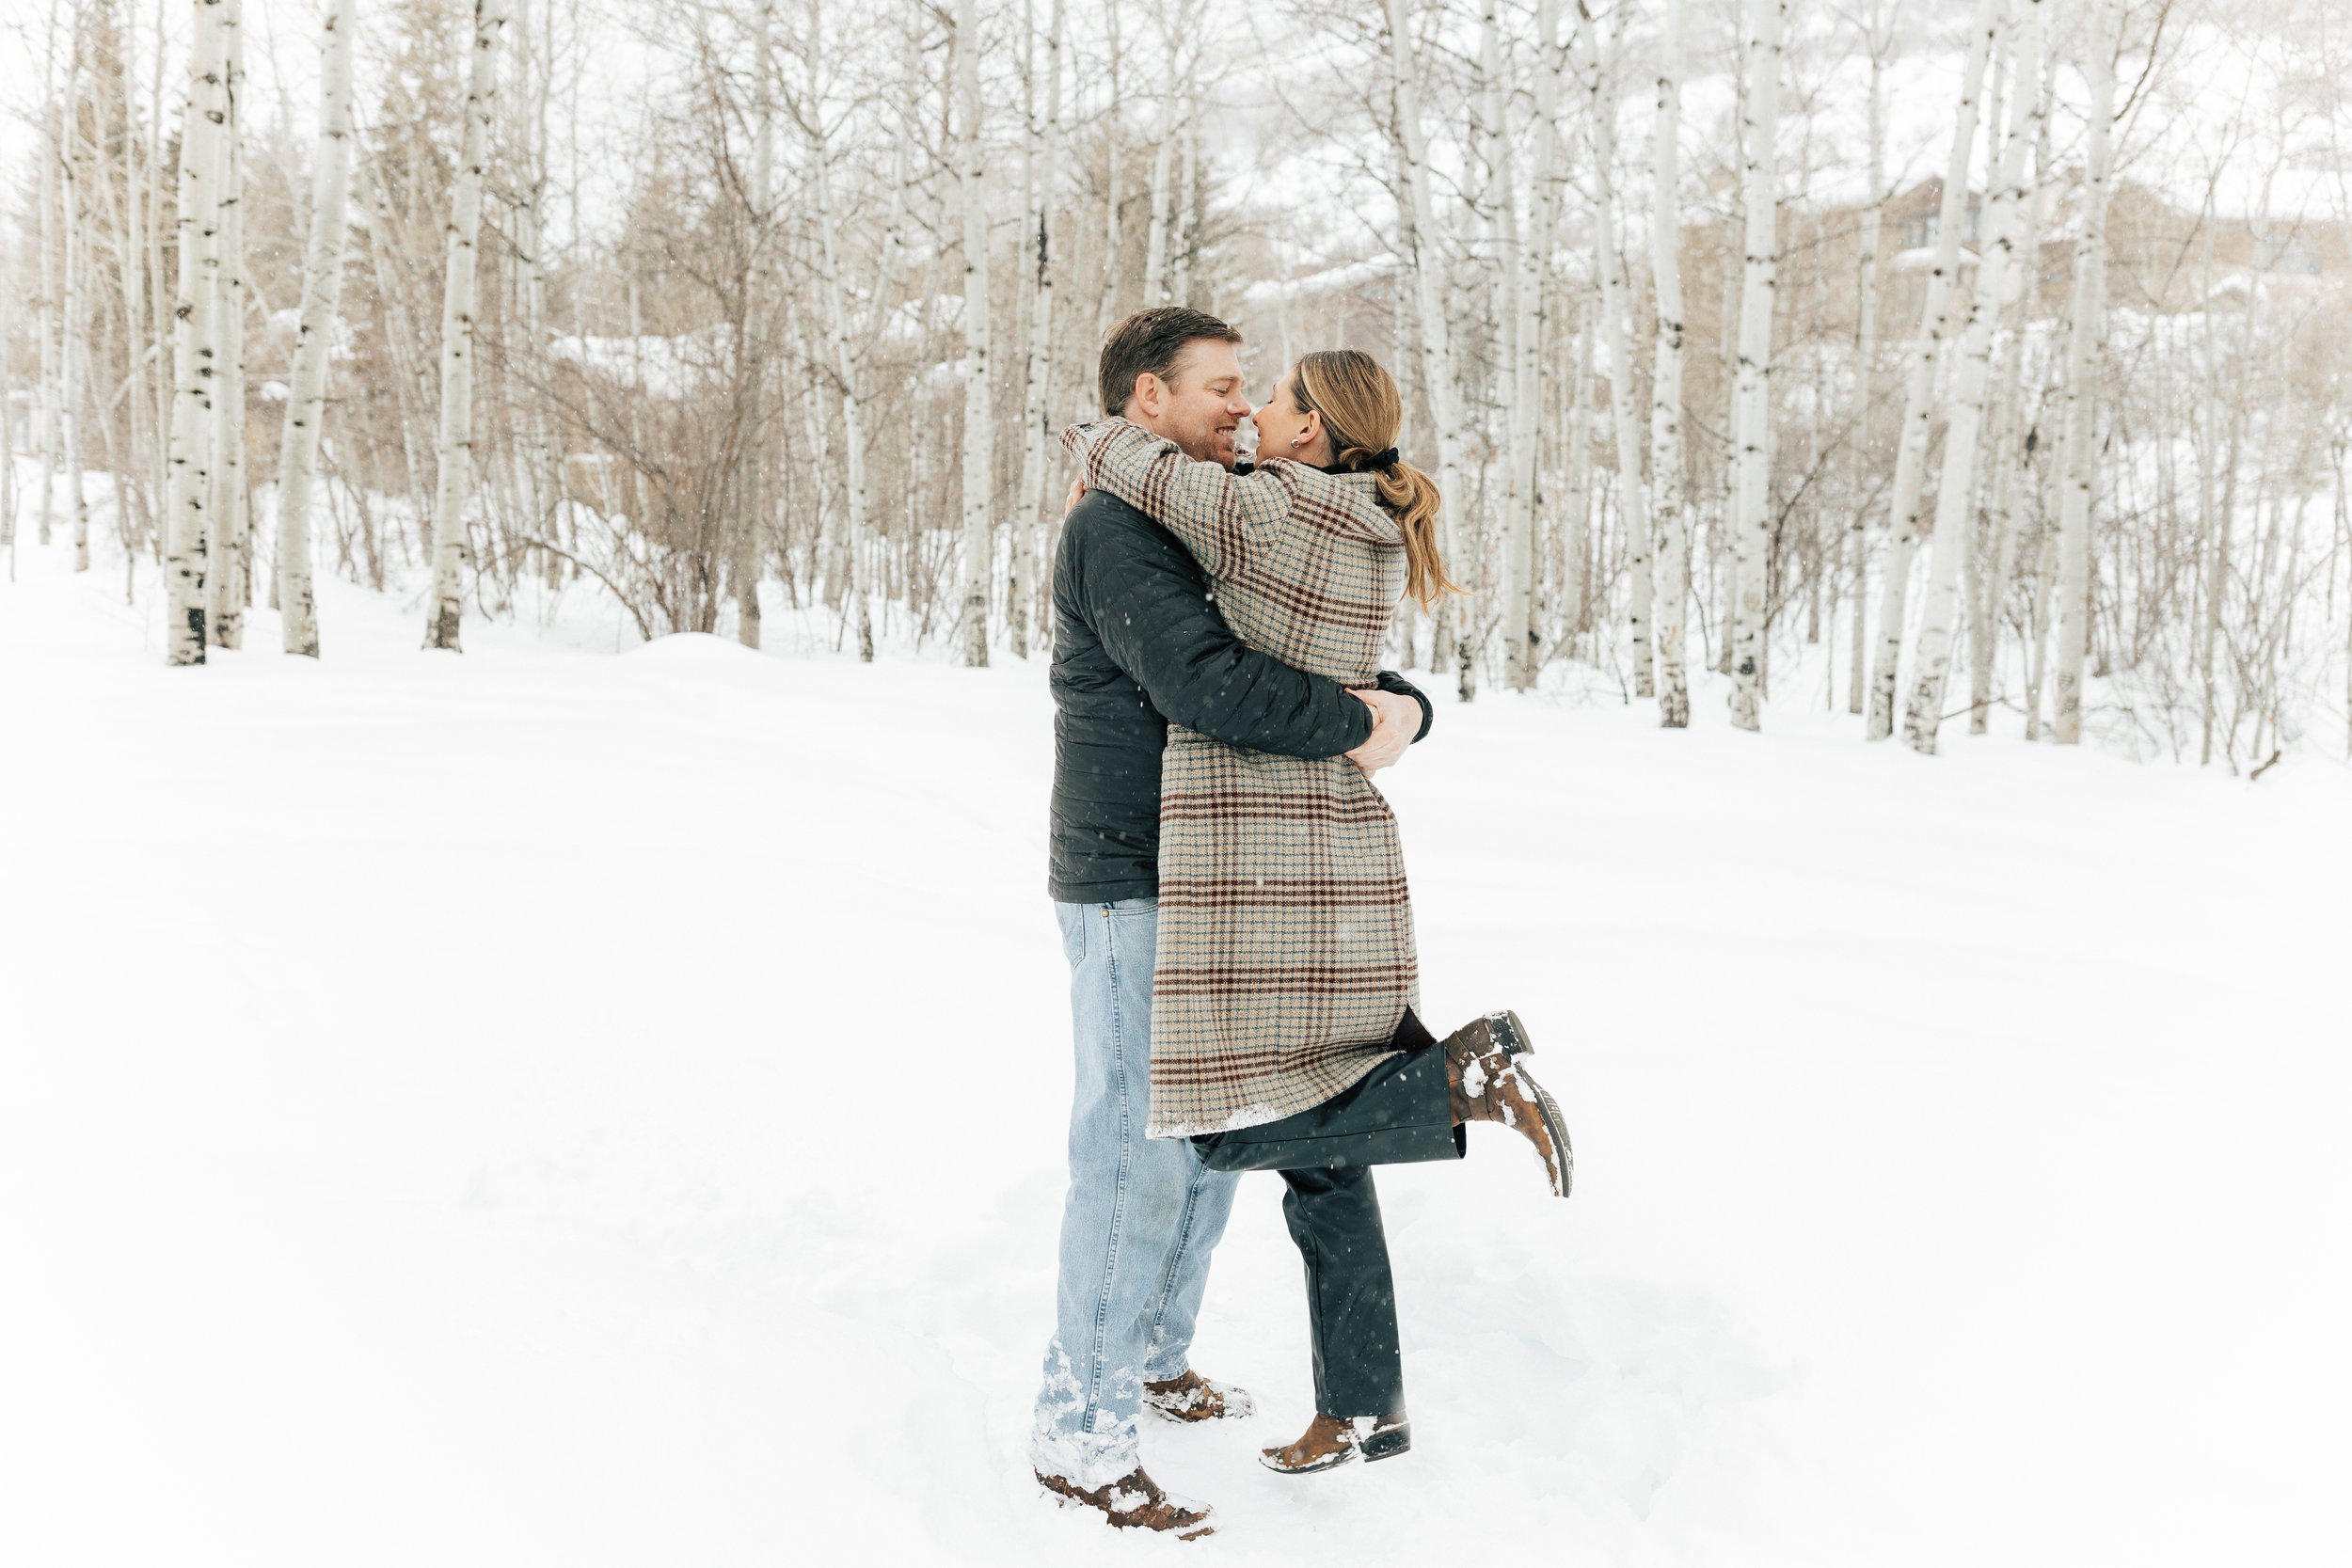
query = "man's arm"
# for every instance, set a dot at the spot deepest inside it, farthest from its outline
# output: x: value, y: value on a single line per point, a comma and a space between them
x: 1148, y: 601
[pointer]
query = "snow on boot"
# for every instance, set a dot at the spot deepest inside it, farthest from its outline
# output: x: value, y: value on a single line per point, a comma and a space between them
x: 1194, y: 1397
x: 1488, y: 1084
x: 1330, y: 1440
x: 1134, y: 1502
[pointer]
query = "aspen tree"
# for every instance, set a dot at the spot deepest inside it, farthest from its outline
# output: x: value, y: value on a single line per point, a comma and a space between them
x: 1670, y: 599
x: 2010, y: 464
x: 1111, y: 140
x: 1749, y: 542
x: 2216, y: 517
x: 1599, y: 70
x: 455, y: 444
x: 8, y: 422
x: 1867, y: 352
x: 187, y: 558
x: 1163, y: 172
x: 1425, y: 260
x: 750, y: 525
x: 321, y: 292
x: 1038, y: 166
x: 979, y: 446
x: 1187, y: 239
x: 538, y: 464
x: 2078, y: 457
x: 130, y: 278
x: 1955, y: 492
x: 161, y: 326
x: 71, y: 351
x: 848, y: 373
x: 1531, y: 274
x: 1911, y: 457
x: 1576, y: 582
x: 232, y: 547
x: 47, y: 401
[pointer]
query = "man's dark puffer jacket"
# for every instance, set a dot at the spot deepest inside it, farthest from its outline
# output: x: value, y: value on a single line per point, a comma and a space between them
x: 1138, y: 644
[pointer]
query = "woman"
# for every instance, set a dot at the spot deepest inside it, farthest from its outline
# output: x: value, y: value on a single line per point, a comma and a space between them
x: 1284, y: 1034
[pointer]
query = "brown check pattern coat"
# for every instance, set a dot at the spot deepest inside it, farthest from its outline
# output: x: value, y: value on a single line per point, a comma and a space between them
x: 1286, y: 954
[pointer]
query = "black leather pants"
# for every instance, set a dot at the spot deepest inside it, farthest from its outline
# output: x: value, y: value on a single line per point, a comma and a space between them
x: 1401, y: 1113
x: 1334, y: 1216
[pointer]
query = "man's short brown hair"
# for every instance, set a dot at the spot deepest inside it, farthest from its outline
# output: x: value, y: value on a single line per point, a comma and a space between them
x: 1149, y: 343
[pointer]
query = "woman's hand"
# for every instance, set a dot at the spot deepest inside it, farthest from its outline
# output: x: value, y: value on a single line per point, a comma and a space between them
x: 1396, y: 719
x: 1077, y: 493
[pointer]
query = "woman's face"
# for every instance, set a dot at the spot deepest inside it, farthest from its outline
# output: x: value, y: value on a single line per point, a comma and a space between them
x: 1285, y: 432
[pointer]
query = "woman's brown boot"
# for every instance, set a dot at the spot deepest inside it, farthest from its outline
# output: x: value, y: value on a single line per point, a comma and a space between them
x: 1330, y: 1440
x: 1482, y: 1069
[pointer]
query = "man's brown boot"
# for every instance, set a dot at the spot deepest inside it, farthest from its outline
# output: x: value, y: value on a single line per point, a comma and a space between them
x: 1134, y: 1502
x: 1330, y: 1440
x: 1194, y: 1397
x: 1488, y: 1084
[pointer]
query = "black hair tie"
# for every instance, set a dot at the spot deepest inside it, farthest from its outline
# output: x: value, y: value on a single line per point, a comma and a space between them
x: 1387, y: 459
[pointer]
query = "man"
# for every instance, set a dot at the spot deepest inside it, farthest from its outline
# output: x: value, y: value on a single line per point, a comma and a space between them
x: 1139, y: 645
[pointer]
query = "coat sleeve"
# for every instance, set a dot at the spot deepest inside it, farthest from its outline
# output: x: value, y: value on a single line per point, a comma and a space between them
x: 1222, y: 517
x: 1149, y: 603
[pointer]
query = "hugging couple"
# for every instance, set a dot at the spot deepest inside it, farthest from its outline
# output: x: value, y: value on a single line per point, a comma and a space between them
x: 1233, y: 899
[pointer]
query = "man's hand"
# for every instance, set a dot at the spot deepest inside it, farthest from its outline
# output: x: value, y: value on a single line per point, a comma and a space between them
x: 1396, y: 719
x: 1077, y: 493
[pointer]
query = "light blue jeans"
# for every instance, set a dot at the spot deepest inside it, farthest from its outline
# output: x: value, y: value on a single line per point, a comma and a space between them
x: 1140, y: 1218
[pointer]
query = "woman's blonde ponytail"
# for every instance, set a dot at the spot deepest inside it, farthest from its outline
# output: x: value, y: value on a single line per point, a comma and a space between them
x: 1361, y: 414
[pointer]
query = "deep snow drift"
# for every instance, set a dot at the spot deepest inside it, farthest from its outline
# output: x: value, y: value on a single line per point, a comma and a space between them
x: 541, y: 1107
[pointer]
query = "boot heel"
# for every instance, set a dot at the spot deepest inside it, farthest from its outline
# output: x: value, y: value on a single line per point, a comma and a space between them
x: 1388, y: 1442
x: 1506, y: 1030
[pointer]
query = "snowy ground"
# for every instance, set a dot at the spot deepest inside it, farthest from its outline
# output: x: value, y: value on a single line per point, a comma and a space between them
x: 549, y: 1107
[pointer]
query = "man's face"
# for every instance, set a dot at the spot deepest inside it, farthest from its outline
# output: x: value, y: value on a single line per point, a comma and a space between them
x: 1199, y: 406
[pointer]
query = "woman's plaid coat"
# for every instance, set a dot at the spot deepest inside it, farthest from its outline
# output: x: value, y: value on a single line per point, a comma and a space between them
x: 1286, y: 954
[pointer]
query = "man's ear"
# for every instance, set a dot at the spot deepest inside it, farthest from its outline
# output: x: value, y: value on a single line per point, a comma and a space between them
x: 1150, y: 392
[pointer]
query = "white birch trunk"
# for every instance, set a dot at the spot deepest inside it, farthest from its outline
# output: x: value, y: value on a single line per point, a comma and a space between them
x: 1113, y: 194
x: 129, y: 278
x: 1989, y: 301
x: 980, y: 447
x: 1155, y: 236
x: 1185, y: 237
x: 744, y: 570
x: 1865, y: 368
x: 1902, y: 513
x: 322, y: 290
x: 231, y: 535
x: 2086, y: 330
x: 1425, y: 257
x: 2009, y: 467
x: 1753, y: 397
x: 846, y: 369
x: 455, y: 444
x: 8, y: 425
x: 1576, y: 582
x: 1670, y: 600
x: 1038, y: 171
x: 1616, y: 309
x: 1531, y: 275
x: 46, y: 399
x: 161, y: 326
x: 71, y: 351
x: 187, y: 559
x: 538, y: 464
x: 2216, y: 517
